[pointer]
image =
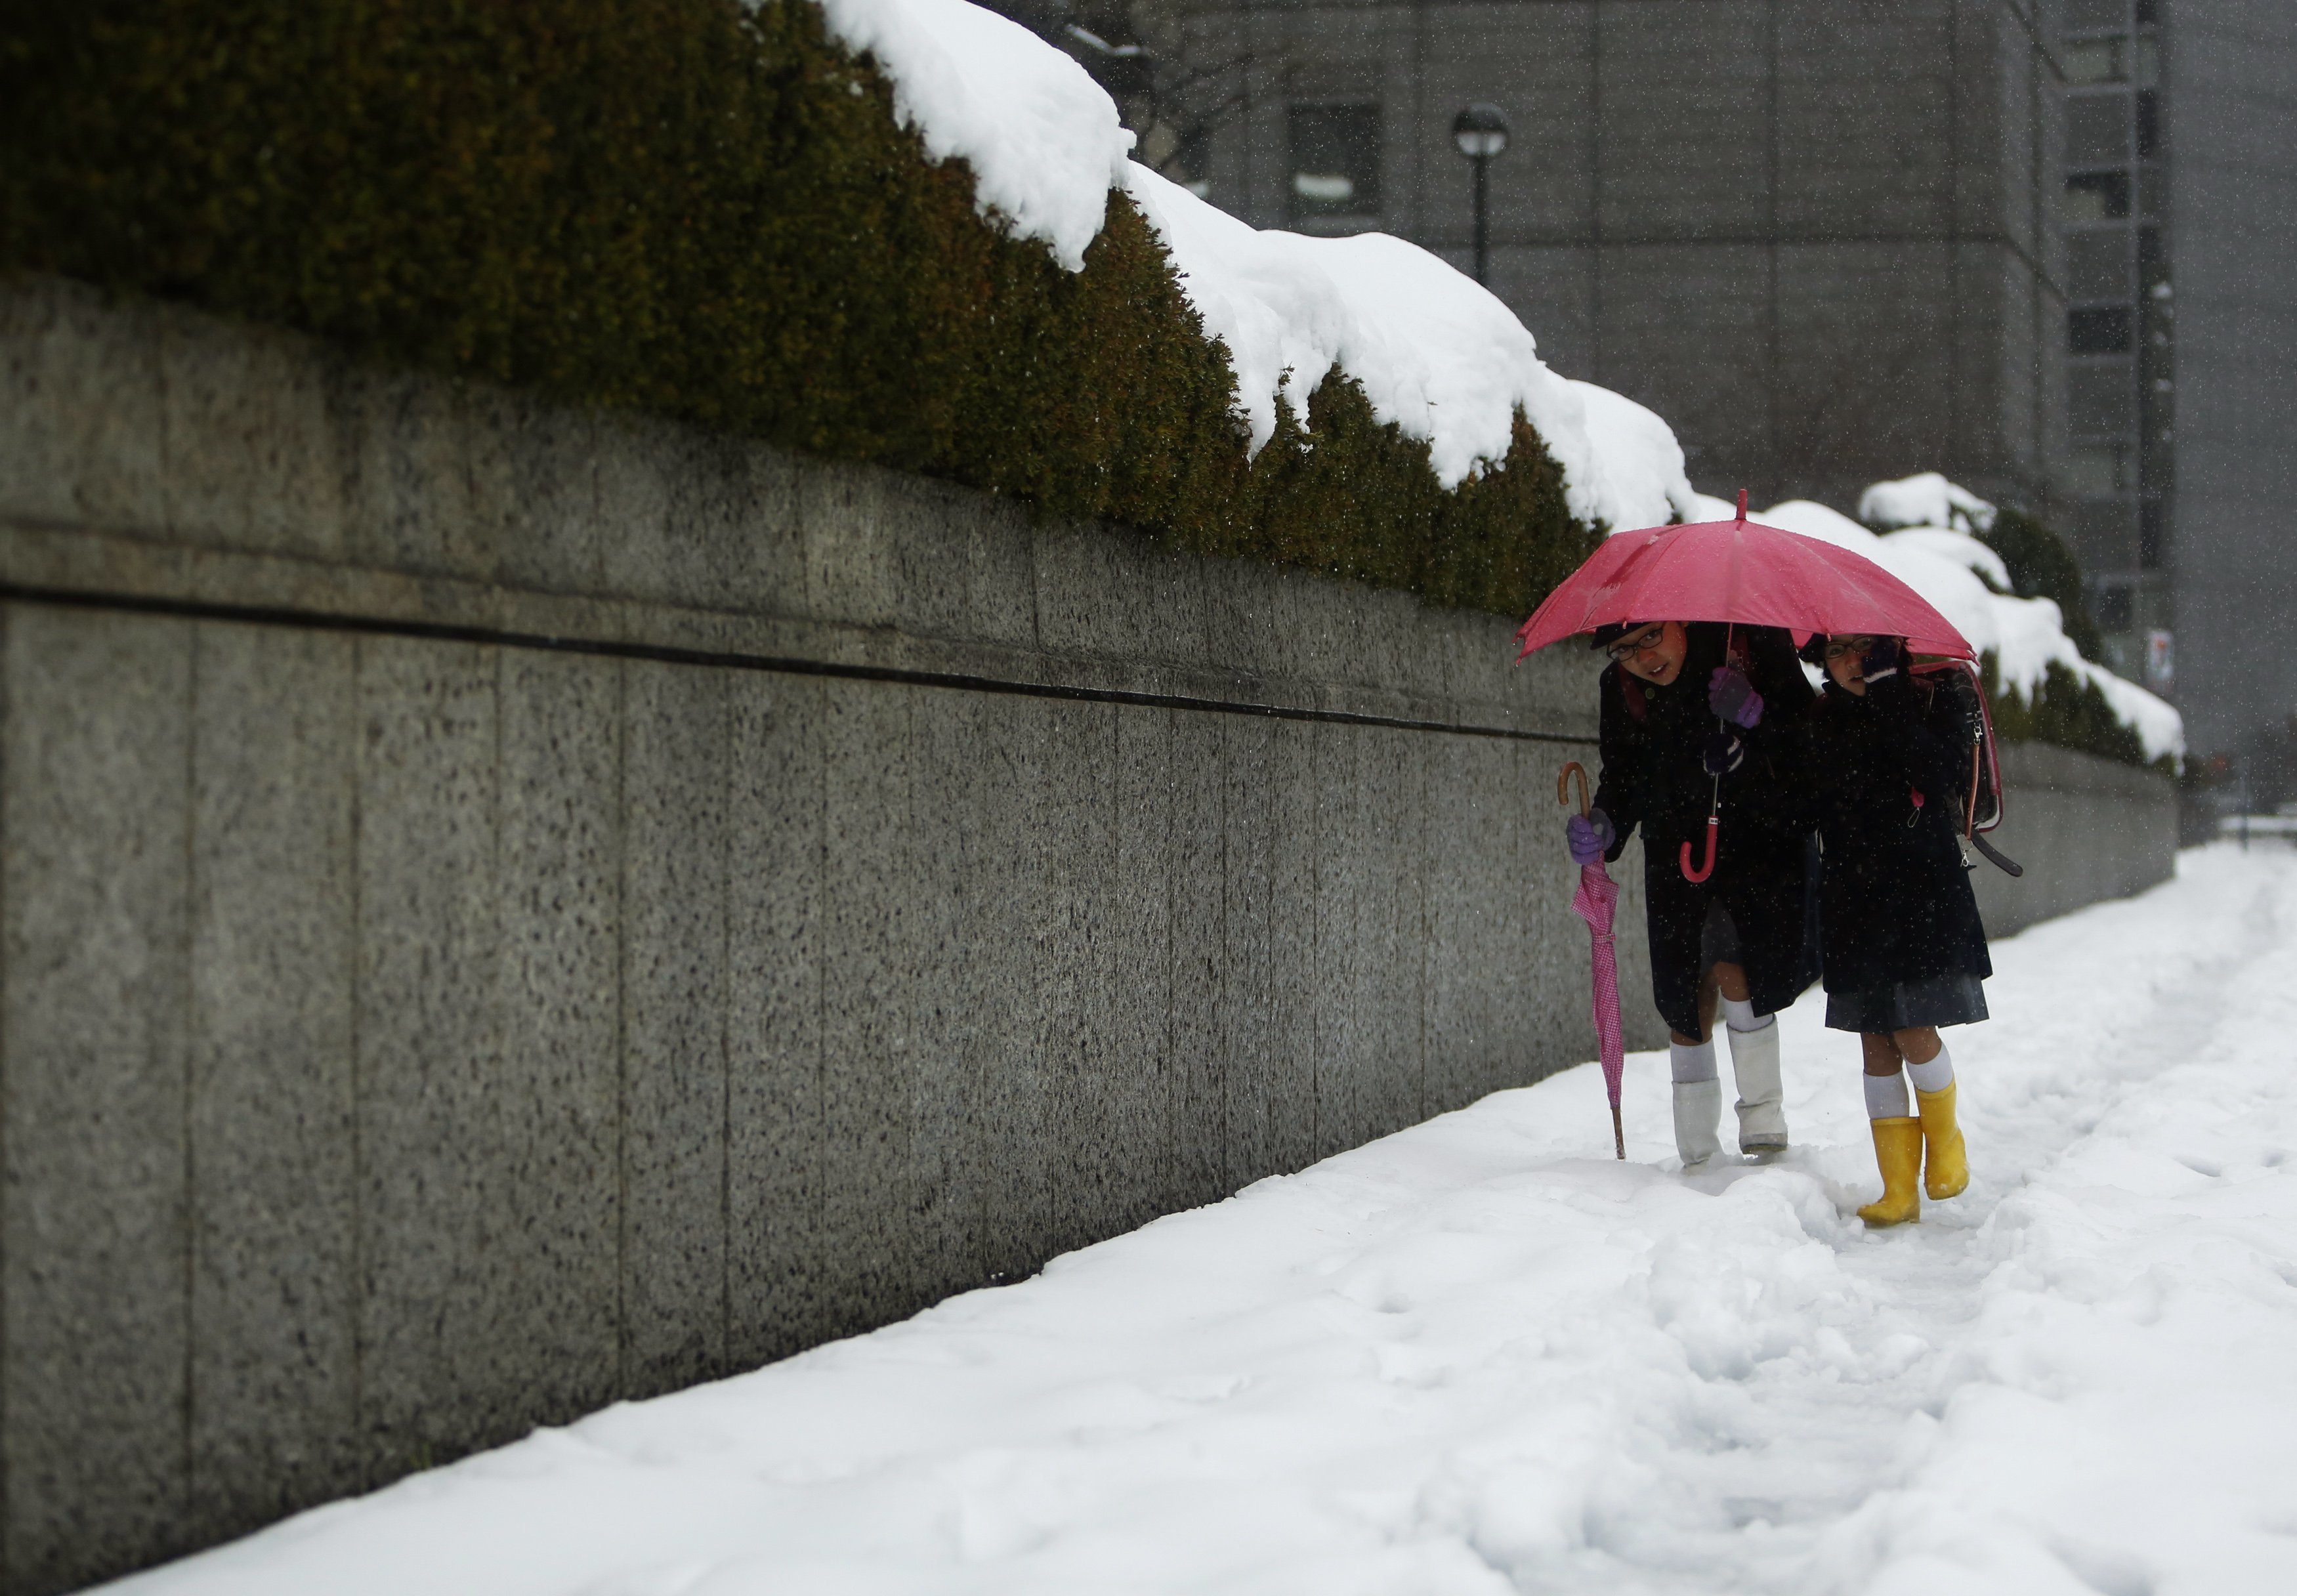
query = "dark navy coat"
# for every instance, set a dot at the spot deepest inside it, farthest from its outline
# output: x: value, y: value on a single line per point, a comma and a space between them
x: 1654, y: 779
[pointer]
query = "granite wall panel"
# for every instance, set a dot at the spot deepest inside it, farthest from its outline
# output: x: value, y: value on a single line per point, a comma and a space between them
x: 95, y: 1154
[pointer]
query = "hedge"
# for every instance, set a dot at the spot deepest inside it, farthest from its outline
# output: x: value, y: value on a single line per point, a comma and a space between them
x: 2069, y: 710
x: 2042, y: 565
x: 706, y: 209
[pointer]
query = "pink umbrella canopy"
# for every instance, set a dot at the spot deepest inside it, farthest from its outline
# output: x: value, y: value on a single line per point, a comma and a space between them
x: 1740, y: 571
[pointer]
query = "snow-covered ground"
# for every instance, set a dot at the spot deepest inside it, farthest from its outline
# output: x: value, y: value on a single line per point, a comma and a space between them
x: 1480, y: 1356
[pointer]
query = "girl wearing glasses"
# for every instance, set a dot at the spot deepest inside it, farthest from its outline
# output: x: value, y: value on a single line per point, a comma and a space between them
x: 1695, y: 714
x: 1905, y: 952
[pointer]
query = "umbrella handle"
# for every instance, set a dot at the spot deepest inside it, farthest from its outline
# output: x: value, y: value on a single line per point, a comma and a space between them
x: 1618, y: 1136
x: 1714, y: 823
x: 1563, y: 784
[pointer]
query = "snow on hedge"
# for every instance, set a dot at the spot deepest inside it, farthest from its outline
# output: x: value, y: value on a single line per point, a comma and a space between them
x: 1934, y: 553
x: 1043, y: 140
x: 1435, y: 353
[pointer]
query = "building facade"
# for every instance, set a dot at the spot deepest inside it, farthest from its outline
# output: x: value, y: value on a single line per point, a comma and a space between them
x: 2120, y: 322
x: 1816, y: 235
x: 2230, y: 562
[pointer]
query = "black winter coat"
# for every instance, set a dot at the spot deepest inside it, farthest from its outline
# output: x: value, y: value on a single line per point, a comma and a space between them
x: 1896, y: 903
x: 1653, y: 777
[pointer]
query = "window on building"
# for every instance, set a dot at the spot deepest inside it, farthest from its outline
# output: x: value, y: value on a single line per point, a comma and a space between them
x: 1335, y: 160
x: 2149, y: 123
x: 2145, y: 64
x: 2094, y: 472
x: 2098, y: 330
x: 2096, y: 16
x: 2097, y: 265
x: 2098, y: 60
x: 2114, y: 607
x: 2097, y: 197
x: 2097, y: 129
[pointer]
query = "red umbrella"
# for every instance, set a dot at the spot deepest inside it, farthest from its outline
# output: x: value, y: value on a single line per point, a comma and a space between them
x: 1738, y: 571
x: 1596, y: 902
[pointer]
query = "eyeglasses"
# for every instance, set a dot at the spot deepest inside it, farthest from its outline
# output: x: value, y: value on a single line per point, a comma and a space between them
x: 1643, y: 642
x: 1849, y: 648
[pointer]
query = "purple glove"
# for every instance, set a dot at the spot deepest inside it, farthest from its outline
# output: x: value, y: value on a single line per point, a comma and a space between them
x: 1589, y: 836
x: 1730, y: 694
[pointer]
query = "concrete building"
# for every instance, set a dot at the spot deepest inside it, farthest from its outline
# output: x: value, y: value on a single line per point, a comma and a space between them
x: 2230, y: 99
x: 1816, y: 235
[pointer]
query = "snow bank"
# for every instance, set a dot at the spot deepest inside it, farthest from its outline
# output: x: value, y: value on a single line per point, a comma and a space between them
x: 1436, y: 355
x: 1044, y: 138
x: 1925, y: 499
x: 1967, y: 583
x: 1481, y: 1357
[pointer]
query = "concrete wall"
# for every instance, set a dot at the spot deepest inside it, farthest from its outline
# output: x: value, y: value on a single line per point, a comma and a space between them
x: 504, y: 910
x: 2085, y: 828
x: 1816, y: 235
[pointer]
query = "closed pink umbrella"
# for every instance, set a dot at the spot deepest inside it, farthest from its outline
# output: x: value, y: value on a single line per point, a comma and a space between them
x: 1596, y: 901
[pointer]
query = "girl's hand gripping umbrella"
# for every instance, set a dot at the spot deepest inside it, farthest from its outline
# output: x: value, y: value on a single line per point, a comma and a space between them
x: 1596, y: 902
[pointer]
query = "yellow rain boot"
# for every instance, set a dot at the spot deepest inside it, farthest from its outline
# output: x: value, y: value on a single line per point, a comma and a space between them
x: 1898, y: 1151
x: 1945, y: 1162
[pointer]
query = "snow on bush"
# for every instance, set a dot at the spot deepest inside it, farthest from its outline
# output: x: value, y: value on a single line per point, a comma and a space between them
x: 1043, y: 139
x: 1436, y: 355
x: 1967, y: 583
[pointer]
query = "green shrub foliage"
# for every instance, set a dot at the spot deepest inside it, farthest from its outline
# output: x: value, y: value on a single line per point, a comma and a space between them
x: 2042, y: 566
x: 2067, y: 709
x: 707, y: 210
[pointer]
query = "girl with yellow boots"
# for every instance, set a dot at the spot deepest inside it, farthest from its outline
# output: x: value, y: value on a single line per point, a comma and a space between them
x: 1903, y: 949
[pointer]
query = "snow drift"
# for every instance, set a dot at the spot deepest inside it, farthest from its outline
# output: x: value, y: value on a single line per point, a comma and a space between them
x: 1435, y: 354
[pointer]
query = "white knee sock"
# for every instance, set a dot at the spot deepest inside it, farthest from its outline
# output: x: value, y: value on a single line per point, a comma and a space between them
x: 1695, y: 1062
x: 1935, y: 1075
x: 1739, y: 1015
x: 1886, y: 1096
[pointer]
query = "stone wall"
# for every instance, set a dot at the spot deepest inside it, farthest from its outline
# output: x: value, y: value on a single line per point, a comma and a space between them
x: 508, y: 910
x: 505, y: 909
x: 2085, y: 828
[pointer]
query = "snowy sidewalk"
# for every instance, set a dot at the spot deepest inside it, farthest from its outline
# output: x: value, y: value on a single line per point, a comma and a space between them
x: 1480, y: 1356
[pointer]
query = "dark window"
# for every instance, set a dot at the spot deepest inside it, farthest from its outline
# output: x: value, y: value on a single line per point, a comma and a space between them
x: 2098, y: 330
x: 2153, y: 193
x: 2149, y: 123
x: 2148, y: 13
x: 2114, y: 612
x: 2097, y: 196
x: 1335, y: 160
x: 2096, y: 16
x: 2097, y: 129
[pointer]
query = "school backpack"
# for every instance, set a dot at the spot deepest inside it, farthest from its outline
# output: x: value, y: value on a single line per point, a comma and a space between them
x: 1957, y: 696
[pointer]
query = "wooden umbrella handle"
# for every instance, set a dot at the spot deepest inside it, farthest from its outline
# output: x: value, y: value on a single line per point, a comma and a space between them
x: 1563, y: 784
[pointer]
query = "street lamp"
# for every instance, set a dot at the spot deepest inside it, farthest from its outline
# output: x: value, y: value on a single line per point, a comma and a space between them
x: 1481, y: 132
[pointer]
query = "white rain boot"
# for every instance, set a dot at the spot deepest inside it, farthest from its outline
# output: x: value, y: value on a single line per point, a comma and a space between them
x: 1755, y: 1062
x: 1698, y: 1110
